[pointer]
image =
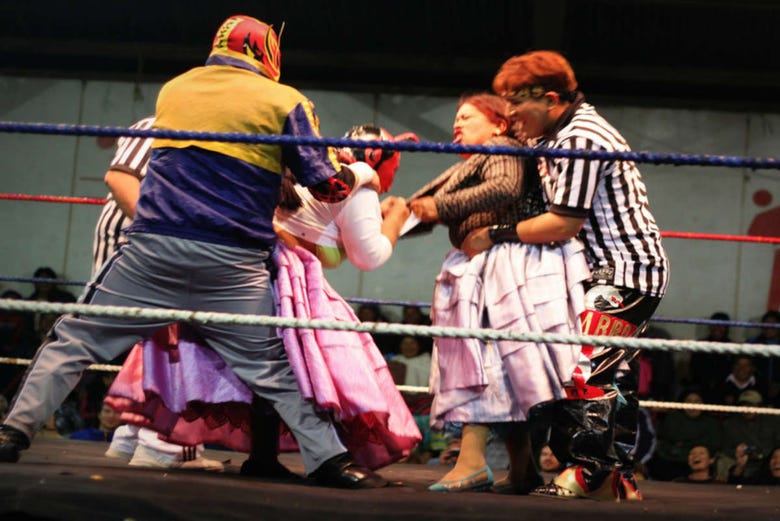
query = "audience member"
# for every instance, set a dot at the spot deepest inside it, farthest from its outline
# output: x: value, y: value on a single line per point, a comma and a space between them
x: 433, y: 442
x: 678, y: 432
x: 108, y: 421
x: 719, y: 332
x: 414, y: 315
x: 701, y: 466
x: 768, y: 335
x: 741, y: 378
x: 17, y: 340
x: 767, y: 474
x: 386, y: 342
x: 67, y: 418
x: 549, y: 466
x: 64, y: 421
x: 768, y: 368
x: 656, y: 369
x: 370, y: 313
x: 707, y: 370
x: 16, y: 329
x: 756, y: 433
x: 49, y: 292
x: 415, y: 355
x: 438, y: 446
x: 91, y: 390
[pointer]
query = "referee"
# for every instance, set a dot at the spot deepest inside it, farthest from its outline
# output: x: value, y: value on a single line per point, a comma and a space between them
x: 603, y: 203
x: 125, y: 173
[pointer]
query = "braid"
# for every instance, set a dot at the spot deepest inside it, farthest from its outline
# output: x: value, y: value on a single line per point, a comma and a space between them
x: 288, y: 197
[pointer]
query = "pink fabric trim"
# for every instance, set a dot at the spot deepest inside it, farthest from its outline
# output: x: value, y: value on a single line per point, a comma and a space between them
x: 342, y: 371
x: 183, y: 391
x: 186, y: 393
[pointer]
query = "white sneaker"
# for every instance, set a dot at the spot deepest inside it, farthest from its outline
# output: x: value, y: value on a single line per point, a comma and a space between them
x: 118, y: 454
x: 123, y: 443
x: 150, y: 458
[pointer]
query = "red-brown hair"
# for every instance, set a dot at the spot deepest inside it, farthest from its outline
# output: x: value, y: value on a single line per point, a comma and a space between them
x: 495, y: 108
x: 548, y: 69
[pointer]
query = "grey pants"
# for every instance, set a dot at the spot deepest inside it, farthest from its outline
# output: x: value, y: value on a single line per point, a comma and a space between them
x: 156, y: 271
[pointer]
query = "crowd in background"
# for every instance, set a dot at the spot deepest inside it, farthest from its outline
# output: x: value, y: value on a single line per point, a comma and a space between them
x: 673, y: 445
x: 82, y: 415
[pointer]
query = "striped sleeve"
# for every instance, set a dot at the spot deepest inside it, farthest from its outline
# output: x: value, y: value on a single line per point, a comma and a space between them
x: 132, y: 153
x: 577, y: 179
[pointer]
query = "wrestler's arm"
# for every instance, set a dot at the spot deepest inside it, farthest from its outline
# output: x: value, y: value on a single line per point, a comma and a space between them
x: 544, y: 228
x: 395, y: 212
x: 126, y: 169
x: 368, y: 238
x: 501, y: 184
x: 125, y: 188
x: 317, y: 167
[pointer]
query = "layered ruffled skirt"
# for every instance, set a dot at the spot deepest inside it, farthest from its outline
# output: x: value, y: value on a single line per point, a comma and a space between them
x: 512, y: 286
x: 183, y: 390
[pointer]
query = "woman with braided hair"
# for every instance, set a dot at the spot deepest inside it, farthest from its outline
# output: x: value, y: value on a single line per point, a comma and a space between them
x: 533, y: 288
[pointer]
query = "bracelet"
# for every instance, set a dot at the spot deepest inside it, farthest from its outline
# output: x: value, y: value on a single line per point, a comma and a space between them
x: 503, y: 233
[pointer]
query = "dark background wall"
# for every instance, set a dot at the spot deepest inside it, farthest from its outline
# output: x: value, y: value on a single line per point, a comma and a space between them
x: 704, y: 53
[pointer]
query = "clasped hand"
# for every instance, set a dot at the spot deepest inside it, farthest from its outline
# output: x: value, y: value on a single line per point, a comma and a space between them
x: 425, y: 209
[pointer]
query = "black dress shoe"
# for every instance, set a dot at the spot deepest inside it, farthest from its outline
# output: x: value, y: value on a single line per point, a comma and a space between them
x: 11, y: 442
x: 342, y: 472
x: 270, y: 469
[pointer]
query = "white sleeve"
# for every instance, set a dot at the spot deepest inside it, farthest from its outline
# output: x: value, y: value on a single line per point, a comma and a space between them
x: 360, y: 227
x: 363, y: 173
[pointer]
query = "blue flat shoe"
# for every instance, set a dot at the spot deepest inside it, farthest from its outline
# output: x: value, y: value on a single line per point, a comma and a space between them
x: 475, y: 482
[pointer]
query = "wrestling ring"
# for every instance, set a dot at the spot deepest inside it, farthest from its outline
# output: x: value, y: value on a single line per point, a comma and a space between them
x: 67, y: 479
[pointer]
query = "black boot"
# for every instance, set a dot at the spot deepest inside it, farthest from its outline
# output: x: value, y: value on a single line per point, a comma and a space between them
x: 263, y: 459
x: 12, y: 441
x: 581, y: 432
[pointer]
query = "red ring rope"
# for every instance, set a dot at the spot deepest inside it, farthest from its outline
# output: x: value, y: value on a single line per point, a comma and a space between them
x: 671, y: 235
x: 720, y: 237
x: 53, y: 199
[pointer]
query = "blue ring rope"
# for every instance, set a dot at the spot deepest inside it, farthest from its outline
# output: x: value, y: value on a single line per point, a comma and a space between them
x: 235, y: 137
x: 441, y: 148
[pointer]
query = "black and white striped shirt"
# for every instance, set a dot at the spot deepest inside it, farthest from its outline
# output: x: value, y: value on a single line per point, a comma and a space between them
x: 131, y: 157
x: 622, y: 240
